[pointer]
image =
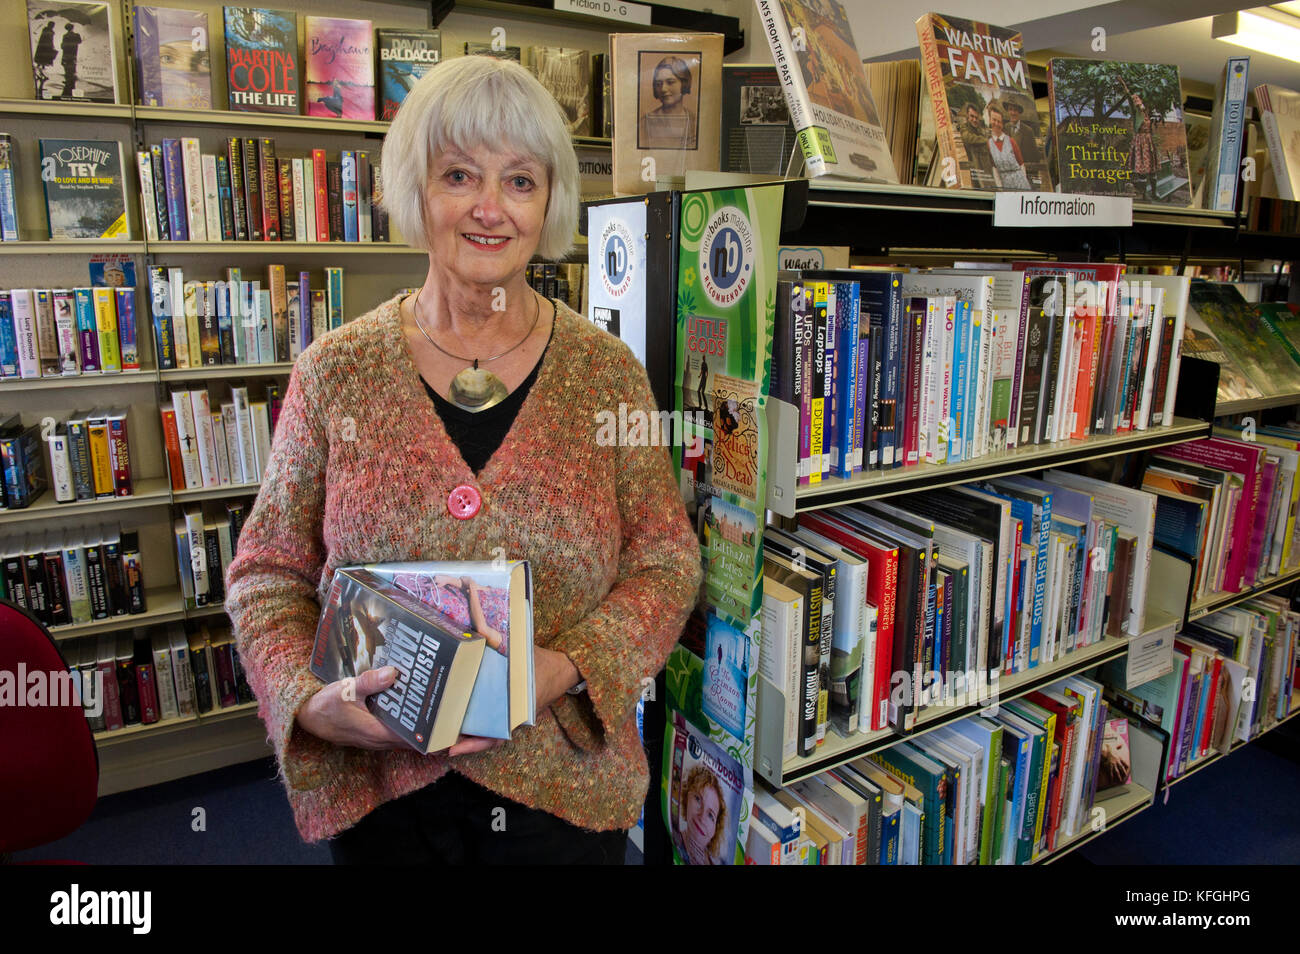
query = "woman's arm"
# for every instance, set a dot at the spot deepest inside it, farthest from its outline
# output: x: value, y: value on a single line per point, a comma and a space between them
x: 628, y: 637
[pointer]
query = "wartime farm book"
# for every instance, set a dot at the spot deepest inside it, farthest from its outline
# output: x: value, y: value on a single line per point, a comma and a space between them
x: 367, y: 623
x: 173, y: 58
x: 404, y: 56
x: 72, y: 51
x: 978, y: 87
x: 262, y: 60
x: 340, y: 63
x: 826, y: 90
x: 85, y: 188
x: 1117, y: 129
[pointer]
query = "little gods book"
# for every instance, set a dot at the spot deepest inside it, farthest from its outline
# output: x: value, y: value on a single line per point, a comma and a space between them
x: 368, y: 623
x: 1118, y: 130
x: 85, y: 195
x: 262, y: 60
x: 173, y: 58
x: 340, y: 57
x: 72, y: 50
x: 493, y: 601
x: 404, y: 56
x: 985, y: 116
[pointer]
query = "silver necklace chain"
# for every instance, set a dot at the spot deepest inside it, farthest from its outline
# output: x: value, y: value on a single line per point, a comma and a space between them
x: 415, y: 311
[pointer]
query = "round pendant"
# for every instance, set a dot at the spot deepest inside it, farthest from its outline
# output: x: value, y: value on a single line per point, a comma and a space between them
x: 476, y: 389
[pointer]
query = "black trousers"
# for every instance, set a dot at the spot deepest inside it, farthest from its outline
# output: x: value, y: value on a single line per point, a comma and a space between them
x: 457, y: 822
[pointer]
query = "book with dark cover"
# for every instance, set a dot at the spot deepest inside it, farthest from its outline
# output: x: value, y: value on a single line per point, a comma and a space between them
x: 85, y: 188
x: 284, y: 180
x: 1117, y: 129
x: 173, y: 59
x: 268, y: 175
x: 72, y: 51
x: 160, y: 192
x: 146, y: 685
x: 132, y: 575
x: 128, y: 687
x: 808, y: 585
x: 404, y: 56
x: 225, y: 197
x: 173, y: 184
x: 223, y: 662
x: 238, y: 190
x: 262, y: 60
x: 340, y: 68
x: 334, y: 185
x: 200, y: 666
x: 566, y: 74
x: 37, y: 585
x: 56, y: 586
x: 22, y: 464
x: 369, y: 622
x: 1038, y: 343
x: 757, y: 136
x: 114, y: 580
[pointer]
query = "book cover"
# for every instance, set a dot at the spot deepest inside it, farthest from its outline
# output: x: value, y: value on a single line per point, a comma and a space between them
x: 72, y: 50
x: 262, y: 60
x: 566, y: 74
x: 367, y: 623
x: 173, y: 60
x: 704, y: 797
x: 1280, y: 116
x: 840, y: 130
x: 1227, y: 135
x: 9, y: 225
x: 404, y: 56
x: 757, y: 136
x: 340, y: 67
x: 1118, y: 129
x: 85, y: 188
x: 985, y: 118
x: 668, y: 106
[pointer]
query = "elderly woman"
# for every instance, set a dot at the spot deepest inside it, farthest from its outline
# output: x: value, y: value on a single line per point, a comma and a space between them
x: 459, y: 423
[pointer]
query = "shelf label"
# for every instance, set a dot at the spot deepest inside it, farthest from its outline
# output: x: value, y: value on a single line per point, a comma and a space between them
x: 607, y: 10
x: 1150, y: 656
x: 1052, y: 210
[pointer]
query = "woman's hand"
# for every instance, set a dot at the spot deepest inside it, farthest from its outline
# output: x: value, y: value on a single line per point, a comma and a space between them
x: 554, y: 674
x: 338, y: 713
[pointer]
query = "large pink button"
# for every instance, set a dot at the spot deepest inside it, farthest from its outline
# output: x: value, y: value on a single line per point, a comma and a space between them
x: 464, y: 502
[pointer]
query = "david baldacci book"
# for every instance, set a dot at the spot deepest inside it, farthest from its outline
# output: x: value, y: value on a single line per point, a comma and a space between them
x: 493, y: 601
x: 85, y: 190
x: 368, y: 623
x: 826, y: 88
x: 404, y: 56
x: 340, y: 57
x: 985, y: 119
x: 1118, y: 130
x: 72, y: 50
x: 173, y: 57
x: 262, y: 60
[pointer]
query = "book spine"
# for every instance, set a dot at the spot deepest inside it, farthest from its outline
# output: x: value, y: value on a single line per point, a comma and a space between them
x: 105, y: 305
x: 211, y: 197
x: 65, y: 330
x: 148, y: 200
x: 47, y: 336
x: 916, y: 354
x: 168, y: 707
x: 56, y: 594
x: 225, y: 200
x: 238, y: 189
x: 365, y: 226
x: 8, y: 340
x: 164, y: 335
x: 24, y: 323
x: 61, y: 469
x: 206, y: 440
x: 9, y: 231
x: 253, y: 197
x: 334, y: 295
x: 774, y: 27
x: 300, y: 221
x: 320, y: 185
x: 260, y: 414
x: 161, y: 210
x: 377, y: 211
x: 279, y: 311
x: 932, y: 75
x: 269, y: 180
x: 74, y: 575
x: 284, y: 180
x: 174, y: 184
x: 348, y: 177
x: 86, y: 331
x: 119, y: 455
x: 1277, y: 155
x: 1224, y: 172
x: 127, y: 334
x: 83, y: 480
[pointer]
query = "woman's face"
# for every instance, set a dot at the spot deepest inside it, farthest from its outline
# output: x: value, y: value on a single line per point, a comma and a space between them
x: 995, y: 123
x: 702, y: 815
x: 484, y: 212
x: 667, y: 88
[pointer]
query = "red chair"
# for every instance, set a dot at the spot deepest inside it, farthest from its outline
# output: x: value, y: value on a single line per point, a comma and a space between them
x: 49, y: 769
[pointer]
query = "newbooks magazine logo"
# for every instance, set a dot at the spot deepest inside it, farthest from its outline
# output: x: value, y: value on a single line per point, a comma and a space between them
x: 727, y: 256
x: 75, y: 907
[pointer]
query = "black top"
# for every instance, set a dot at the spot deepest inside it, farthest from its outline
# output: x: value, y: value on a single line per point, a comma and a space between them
x: 478, y: 434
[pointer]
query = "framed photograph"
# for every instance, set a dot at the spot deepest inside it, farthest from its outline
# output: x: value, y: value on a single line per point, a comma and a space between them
x: 668, y: 99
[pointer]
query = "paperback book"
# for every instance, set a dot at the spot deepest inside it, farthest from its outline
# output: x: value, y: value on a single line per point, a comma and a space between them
x: 566, y: 74
x: 262, y: 60
x: 173, y: 58
x: 72, y: 51
x: 340, y: 59
x: 404, y: 56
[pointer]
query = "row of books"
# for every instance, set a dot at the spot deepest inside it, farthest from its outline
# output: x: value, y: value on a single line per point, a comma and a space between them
x: 22, y: 473
x: 52, y: 332
x: 1255, y: 344
x: 139, y: 680
x: 226, y: 446
x: 205, y: 546
x: 1233, y: 677
x: 72, y: 577
x: 248, y: 193
x: 889, y: 369
x: 872, y: 612
x: 89, y: 458
x: 1003, y: 789
x: 233, y: 321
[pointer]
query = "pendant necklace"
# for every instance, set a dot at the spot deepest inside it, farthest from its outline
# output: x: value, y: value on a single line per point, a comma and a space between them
x: 475, y: 388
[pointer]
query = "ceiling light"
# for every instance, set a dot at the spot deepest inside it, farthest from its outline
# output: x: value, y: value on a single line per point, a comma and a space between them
x: 1264, y: 30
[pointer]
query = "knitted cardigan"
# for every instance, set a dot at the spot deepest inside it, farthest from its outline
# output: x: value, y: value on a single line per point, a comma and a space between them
x: 360, y: 471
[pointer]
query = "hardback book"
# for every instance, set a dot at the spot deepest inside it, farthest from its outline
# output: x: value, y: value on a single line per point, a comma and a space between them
x: 1117, y: 129
x: 85, y: 188
x: 1238, y: 328
x: 368, y: 623
x: 566, y: 74
x: 985, y: 119
x: 1227, y: 135
x: 72, y: 50
x: 840, y: 130
x: 340, y: 66
x: 667, y: 106
x: 1279, y: 110
x: 262, y: 60
x: 404, y: 56
x: 173, y: 58
x: 757, y: 136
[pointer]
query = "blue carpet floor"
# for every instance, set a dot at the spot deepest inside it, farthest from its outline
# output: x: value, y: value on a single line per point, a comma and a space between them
x: 1240, y: 810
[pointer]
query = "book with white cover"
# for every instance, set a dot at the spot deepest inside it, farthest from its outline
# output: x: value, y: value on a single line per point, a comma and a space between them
x: 188, y: 438
x: 195, y: 213
x: 204, y: 437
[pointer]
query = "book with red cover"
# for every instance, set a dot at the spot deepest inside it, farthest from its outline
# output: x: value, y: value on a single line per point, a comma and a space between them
x: 916, y: 312
x: 1067, y: 715
x: 1242, y: 458
x: 172, y: 441
x: 322, y: 204
x: 340, y: 57
x: 145, y: 685
x: 262, y: 60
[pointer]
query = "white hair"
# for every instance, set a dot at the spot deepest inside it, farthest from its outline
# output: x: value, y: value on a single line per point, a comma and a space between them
x: 471, y: 102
